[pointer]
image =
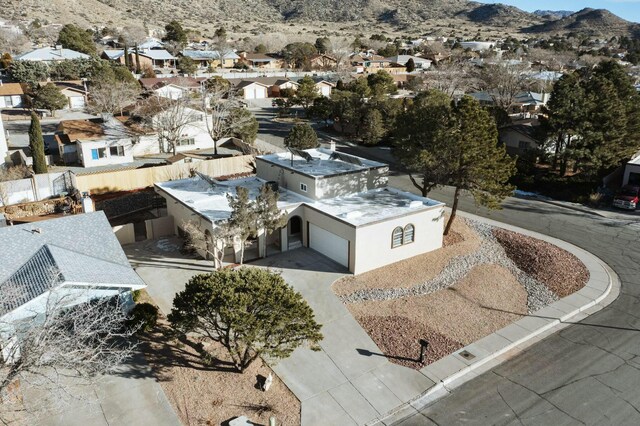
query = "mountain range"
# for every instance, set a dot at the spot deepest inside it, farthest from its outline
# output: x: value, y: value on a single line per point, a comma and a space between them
x: 399, y: 14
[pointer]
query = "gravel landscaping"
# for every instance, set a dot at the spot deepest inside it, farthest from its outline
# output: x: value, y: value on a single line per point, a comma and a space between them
x: 482, y: 280
x: 203, y: 394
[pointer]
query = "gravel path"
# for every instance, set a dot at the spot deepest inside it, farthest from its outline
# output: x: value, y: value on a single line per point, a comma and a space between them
x: 489, y: 252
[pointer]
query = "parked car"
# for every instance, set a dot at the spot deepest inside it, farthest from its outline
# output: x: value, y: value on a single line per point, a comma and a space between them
x: 627, y: 198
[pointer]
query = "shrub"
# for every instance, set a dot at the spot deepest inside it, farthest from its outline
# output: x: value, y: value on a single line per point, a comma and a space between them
x: 144, y: 316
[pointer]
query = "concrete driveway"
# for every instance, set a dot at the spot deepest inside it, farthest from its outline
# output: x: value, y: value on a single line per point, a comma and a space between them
x: 348, y: 382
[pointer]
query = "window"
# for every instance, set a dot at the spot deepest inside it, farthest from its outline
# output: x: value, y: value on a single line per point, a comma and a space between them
x: 116, y: 151
x: 523, y: 145
x: 408, y: 234
x: 186, y: 141
x: 303, y: 187
x: 396, y: 240
x: 98, y: 153
x: 402, y: 236
x: 8, y: 101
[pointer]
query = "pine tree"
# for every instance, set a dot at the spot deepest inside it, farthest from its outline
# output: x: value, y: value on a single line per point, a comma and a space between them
x: 268, y: 216
x: 36, y: 144
x: 242, y: 219
x: 410, y: 65
x: 301, y: 136
x: 307, y: 92
x: 372, y: 127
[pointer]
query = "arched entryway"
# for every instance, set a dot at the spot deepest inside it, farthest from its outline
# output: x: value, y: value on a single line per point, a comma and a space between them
x: 294, y: 232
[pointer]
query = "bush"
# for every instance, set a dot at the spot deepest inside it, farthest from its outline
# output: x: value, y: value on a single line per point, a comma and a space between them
x: 144, y: 316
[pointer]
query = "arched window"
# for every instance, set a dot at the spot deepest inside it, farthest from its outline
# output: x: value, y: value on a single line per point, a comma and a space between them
x: 396, y: 239
x: 409, y: 234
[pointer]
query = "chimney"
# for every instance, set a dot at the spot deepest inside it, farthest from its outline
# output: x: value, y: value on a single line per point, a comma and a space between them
x: 332, y: 145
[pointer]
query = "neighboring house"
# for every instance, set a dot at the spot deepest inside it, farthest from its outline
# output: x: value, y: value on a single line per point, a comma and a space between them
x: 274, y: 85
x: 94, y: 143
x: 213, y: 58
x: 74, y: 90
x: 632, y: 172
x: 155, y: 58
x: 252, y: 89
x: 401, y: 60
x: 325, y: 87
x: 262, y: 61
x: 51, y: 54
x: 115, y: 55
x: 323, y: 62
x: 525, y: 104
x: 477, y: 46
x: 336, y: 204
x: 172, y: 87
x: 11, y: 95
x: 69, y: 260
x: 519, y: 139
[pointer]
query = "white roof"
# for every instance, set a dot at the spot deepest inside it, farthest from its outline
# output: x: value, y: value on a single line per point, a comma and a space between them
x: 210, y: 200
x: 403, y: 59
x: 158, y: 54
x: 208, y: 54
x: 324, y: 162
x: 51, y: 54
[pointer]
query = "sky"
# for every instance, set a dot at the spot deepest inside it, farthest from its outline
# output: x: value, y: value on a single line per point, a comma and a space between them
x: 626, y: 9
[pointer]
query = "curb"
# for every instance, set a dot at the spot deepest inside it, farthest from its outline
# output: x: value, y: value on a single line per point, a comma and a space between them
x: 455, y: 369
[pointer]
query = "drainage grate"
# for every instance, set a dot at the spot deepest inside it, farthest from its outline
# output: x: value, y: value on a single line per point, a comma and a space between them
x: 466, y: 355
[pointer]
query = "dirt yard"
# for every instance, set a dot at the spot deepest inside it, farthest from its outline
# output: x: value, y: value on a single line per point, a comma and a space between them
x: 204, y: 394
x: 482, y: 280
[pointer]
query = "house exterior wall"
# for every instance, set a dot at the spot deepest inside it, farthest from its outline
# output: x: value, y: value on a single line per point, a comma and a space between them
x: 629, y: 171
x: 333, y: 225
x: 373, y: 241
x: 86, y: 154
x: 11, y: 101
x: 517, y: 143
x: 319, y: 188
x: 255, y: 91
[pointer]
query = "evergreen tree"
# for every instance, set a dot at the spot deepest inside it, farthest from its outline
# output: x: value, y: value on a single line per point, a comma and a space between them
x: 323, y: 45
x: 381, y: 84
x: 242, y: 219
x: 75, y: 38
x: 175, y: 33
x: 372, y: 127
x: 248, y: 130
x: 49, y: 97
x: 410, y: 65
x: 307, y: 92
x: 251, y: 312
x: 261, y: 48
x: 301, y: 136
x: 479, y: 164
x: 186, y: 65
x: 36, y: 145
x: 268, y: 216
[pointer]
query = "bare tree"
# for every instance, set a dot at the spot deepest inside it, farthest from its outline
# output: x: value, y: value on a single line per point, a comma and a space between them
x: 57, y: 349
x: 219, y: 101
x: 450, y: 78
x: 13, y: 42
x: 551, y: 60
x: 168, y: 117
x: 213, y: 244
x: 112, y: 97
x: 132, y: 36
x: 503, y: 81
x: 340, y: 51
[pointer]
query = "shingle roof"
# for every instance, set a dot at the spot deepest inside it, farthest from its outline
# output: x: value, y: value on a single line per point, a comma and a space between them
x: 7, y: 89
x: 114, y: 54
x: 51, y: 54
x: 80, y: 249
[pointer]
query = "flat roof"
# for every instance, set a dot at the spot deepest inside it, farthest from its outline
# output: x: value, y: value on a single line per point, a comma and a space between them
x: 374, y: 206
x: 210, y: 200
x: 323, y: 163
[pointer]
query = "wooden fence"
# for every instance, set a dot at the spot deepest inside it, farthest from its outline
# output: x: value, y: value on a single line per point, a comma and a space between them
x: 127, y: 180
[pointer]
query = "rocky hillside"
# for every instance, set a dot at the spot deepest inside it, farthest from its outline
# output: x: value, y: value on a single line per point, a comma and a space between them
x: 401, y: 14
x: 597, y: 22
x: 553, y: 14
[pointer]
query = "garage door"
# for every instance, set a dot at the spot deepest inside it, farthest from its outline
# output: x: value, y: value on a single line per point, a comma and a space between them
x: 329, y: 244
x: 77, y: 102
x: 250, y: 93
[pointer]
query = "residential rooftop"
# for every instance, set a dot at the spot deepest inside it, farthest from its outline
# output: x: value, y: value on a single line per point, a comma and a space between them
x: 321, y: 162
x: 51, y: 54
x: 209, y: 199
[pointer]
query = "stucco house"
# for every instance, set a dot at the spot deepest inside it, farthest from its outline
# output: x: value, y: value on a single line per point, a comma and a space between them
x: 214, y: 58
x: 336, y: 204
x: 631, y: 174
x: 155, y: 58
x: 71, y: 260
x: 401, y: 60
x: 75, y: 91
x: 252, y: 89
x: 260, y: 60
x: 115, y: 55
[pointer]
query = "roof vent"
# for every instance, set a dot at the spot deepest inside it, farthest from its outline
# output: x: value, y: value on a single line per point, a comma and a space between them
x: 415, y: 204
x: 353, y: 215
x: 36, y: 231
